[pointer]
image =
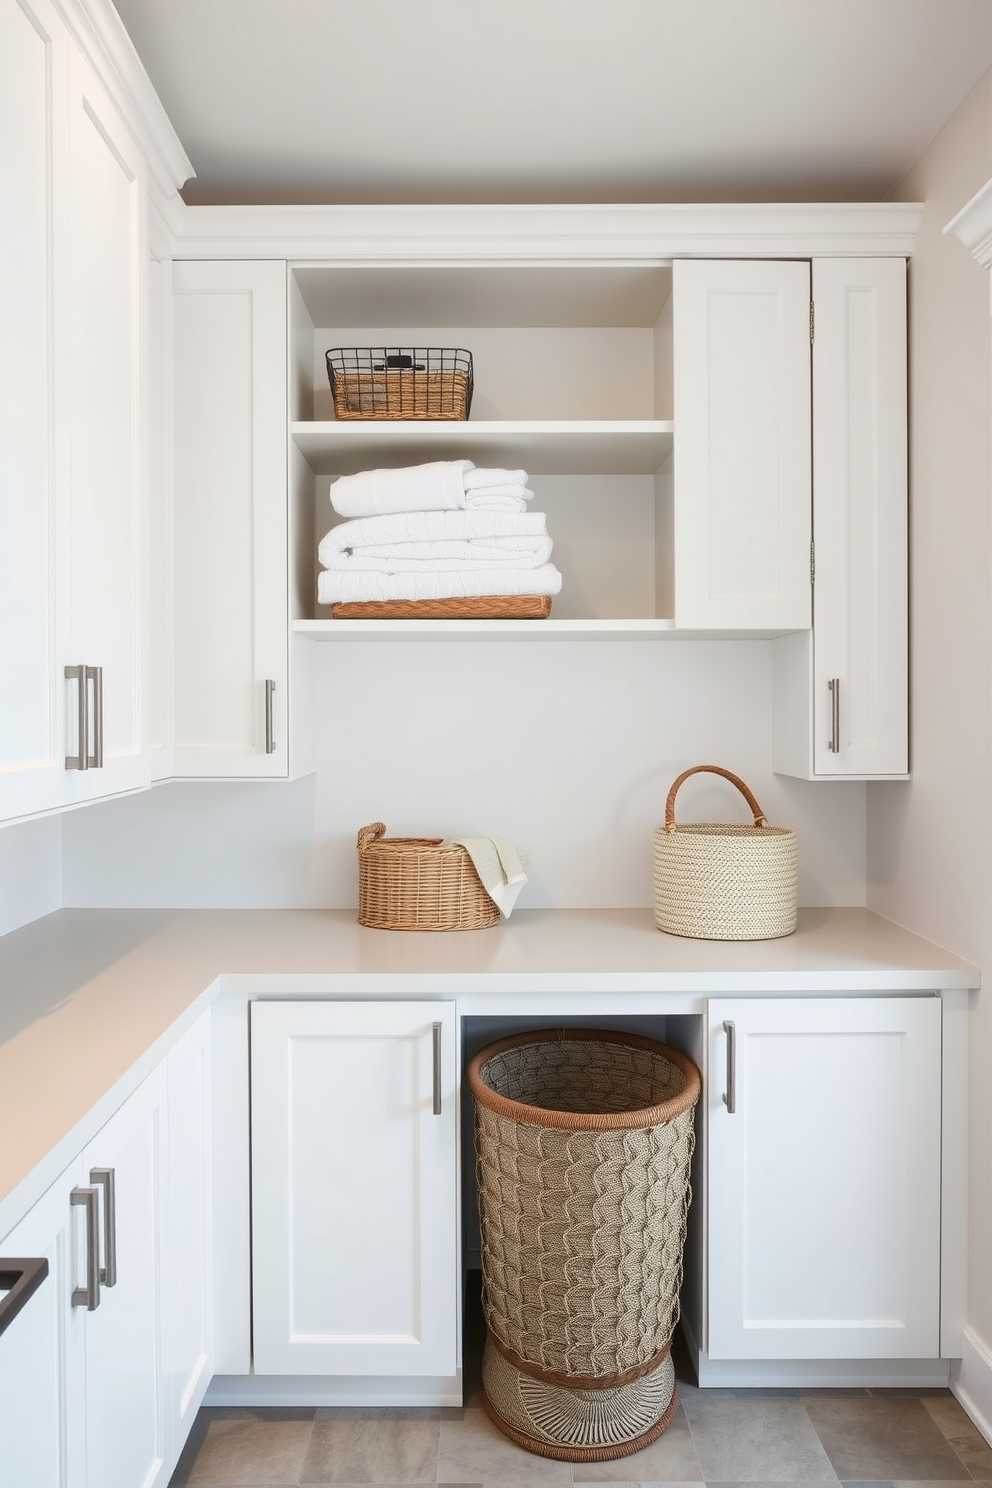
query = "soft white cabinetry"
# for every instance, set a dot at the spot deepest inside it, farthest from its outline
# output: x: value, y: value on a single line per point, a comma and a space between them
x: 73, y: 575
x: 230, y: 520
x: 742, y: 442
x: 841, y: 693
x: 33, y: 70
x: 125, y: 1404
x: 354, y: 1209
x: 188, y: 1290
x: 823, y: 1180
x: 42, y: 1355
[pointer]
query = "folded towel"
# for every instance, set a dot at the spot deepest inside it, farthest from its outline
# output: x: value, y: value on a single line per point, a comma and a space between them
x: 475, y: 477
x: 437, y: 540
x: 499, y: 865
x: 338, y: 586
x: 433, y: 487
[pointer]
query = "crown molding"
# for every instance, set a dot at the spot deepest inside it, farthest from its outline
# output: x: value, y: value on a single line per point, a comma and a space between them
x: 439, y: 234
x: 973, y: 225
x: 100, y: 34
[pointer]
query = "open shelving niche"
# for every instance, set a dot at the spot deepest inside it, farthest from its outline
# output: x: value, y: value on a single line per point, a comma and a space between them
x: 573, y: 382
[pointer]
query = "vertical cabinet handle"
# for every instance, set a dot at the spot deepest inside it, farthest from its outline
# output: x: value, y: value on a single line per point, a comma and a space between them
x: 80, y: 760
x: 95, y: 675
x: 270, y: 743
x: 105, y: 1178
x: 83, y: 759
x: 834, y: 687
x: 730, y: 1096
x: 88, y: 1296
x: 436, y: 1030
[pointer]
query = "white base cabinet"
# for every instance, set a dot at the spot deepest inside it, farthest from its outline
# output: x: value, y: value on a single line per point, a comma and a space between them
x: 823, y: 1120
x: 354, y: 1188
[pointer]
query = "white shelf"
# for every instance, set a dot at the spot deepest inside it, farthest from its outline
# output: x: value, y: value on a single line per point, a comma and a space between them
x: 543, y: 447
x: 501, y: 630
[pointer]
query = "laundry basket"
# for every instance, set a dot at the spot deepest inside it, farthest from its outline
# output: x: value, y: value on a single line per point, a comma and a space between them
x: 584, y: 1140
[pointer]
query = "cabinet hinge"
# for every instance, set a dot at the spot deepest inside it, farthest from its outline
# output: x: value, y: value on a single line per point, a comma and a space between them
x: 811, y: 322
x: 812, y: 563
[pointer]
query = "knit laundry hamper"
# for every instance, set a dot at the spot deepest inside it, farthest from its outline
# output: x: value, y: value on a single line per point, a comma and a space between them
x: 584, y: 1139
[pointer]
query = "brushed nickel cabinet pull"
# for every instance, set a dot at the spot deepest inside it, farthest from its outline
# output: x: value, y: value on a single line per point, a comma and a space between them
x: 95, y: 675
x: 834, y: 744
x: 105, y: 1178
x: 270, y: 743
x: 436, y: 1030
x: 88, y: 1296
x: 730, y: 1096
x: 79, y: 760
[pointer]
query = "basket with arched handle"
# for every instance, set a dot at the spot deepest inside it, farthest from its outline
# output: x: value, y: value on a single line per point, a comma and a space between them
x: 724, y: 880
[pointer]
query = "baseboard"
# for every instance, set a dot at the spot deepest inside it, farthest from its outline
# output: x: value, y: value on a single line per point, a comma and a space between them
x: 816, y: 1374
x: 302, y: 1389
x: 971, y: 1381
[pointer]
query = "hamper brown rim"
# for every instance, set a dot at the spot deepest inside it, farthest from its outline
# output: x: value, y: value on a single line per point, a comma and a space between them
x: 578, y: 1381
x: 609, y: 1452
x: 633, y: 1120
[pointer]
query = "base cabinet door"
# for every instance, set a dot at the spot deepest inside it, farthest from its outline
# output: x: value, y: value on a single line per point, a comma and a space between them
x: 823, y: 1178
x: 125, y: 1414
x: 42, y: 1353
x: 354, y: 1212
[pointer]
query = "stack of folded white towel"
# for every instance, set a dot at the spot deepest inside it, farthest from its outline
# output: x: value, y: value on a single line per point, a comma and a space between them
x: 434, y: 531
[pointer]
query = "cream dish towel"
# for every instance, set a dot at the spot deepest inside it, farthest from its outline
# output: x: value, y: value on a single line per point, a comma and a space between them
x: 500, y: 866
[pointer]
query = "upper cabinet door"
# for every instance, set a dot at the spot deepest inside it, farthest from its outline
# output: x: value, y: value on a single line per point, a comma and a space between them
x: 230, y: 516
x: 108, y: 466
x: 860, y: 622
x: 742, y: 455
x: 33, y: 59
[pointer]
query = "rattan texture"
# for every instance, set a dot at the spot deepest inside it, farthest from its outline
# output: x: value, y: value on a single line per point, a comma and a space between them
x: 577, y: 1425
x: 584, y: 1142
x: 458, y: 607
x: 408, y: 883
x: 725, y: 880
x: 400, y: 382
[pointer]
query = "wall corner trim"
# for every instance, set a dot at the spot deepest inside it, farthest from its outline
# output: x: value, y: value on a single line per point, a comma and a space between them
x: 971, y: 1381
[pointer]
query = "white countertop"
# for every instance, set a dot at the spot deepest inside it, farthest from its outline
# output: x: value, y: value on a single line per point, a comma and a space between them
x: 91, y: 999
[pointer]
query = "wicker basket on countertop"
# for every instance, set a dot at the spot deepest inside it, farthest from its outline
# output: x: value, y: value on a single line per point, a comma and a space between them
x: 410, y: 883
x: 724, y: 880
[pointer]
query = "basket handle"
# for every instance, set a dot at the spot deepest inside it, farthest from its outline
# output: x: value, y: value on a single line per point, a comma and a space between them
x: 371, y: 833
x: 756, y: 811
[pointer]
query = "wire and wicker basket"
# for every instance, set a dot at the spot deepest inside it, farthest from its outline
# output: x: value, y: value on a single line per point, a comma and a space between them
x: 584, y: 1141
x: 400, y: 382
x: 724, y: 880
x: 409, y: 883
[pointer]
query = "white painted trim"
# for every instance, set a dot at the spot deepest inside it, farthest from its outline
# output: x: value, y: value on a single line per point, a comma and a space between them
x: 322, y: 1389
x: 100, y: 33
x: 852, y: 1374
x: 973, y: 225
x: 971, y: 1381
x: 527, y: 234
x: 955, y: 1023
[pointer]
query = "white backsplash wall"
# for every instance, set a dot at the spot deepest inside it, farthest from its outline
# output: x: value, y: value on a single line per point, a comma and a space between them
x: 30, y: 871
x: 567, y: 748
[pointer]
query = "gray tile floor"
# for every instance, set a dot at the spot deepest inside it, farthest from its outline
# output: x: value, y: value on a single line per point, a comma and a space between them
x: 725, y: 1437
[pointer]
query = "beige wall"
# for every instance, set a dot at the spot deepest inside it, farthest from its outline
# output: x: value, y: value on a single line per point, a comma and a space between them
x: 930, y: 842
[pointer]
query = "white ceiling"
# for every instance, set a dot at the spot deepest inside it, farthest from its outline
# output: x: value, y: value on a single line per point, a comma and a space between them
x: 556, y: 100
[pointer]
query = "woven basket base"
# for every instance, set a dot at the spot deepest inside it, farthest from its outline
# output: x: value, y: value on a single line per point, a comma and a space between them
x: 461, y: 607
x: 577, y: 1425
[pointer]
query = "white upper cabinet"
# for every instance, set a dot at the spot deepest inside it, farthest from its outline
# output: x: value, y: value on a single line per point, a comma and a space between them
x: 33, y: 66
x: 841, y: 699
x: 73, y: 544
x: 742, y: 445
x: 230, y: 604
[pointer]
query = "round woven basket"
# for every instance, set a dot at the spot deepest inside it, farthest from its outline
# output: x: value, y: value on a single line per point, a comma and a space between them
x: 584, y: 1141
x: 725, y: 880
x: 409, y: 883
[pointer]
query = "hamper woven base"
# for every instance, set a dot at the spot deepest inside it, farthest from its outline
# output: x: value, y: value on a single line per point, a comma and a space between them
x: 577, y: 1425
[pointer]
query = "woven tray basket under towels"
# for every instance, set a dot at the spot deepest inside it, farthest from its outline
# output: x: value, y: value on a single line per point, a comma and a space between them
x: 584, y: 1139
x: 724, y: 880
